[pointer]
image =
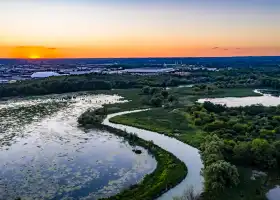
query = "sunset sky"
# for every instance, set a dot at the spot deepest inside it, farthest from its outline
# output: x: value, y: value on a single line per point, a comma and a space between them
x: 133, y: 28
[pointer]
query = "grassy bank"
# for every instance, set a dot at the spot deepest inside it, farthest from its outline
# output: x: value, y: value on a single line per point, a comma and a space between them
x: 173, y: 123
x: 188, y: 96
x: 180, y: 124
x: 169, y: 171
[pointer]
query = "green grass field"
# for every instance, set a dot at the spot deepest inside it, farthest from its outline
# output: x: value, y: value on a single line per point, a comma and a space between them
x: 172, y: 123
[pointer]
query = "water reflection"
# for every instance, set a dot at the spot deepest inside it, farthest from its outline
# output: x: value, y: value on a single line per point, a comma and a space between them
x: 266, y: 100
x: 52, y: 158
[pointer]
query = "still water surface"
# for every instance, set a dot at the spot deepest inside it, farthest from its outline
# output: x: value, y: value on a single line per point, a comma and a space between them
x: 266, y: 100
x: 52, y: 158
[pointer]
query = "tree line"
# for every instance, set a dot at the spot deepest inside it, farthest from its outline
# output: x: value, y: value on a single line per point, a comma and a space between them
x: 64, y: 84
x: 249, y: 133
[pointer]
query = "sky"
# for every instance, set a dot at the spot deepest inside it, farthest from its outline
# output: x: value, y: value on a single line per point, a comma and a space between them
x: 133, y: 28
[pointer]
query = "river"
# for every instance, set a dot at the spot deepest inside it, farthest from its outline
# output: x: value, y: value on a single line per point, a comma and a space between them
x: 189, y: 155
x: 44, y: 152
x: 186, y: 153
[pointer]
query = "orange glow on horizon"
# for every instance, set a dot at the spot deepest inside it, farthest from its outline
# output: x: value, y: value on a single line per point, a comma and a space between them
x: 29, y: 52
x: 34, y: 56
x: 36, y: 52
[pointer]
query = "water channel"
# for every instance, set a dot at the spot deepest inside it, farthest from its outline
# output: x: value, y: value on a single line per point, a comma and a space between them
x: 186, y: 153
x: 52, y: 155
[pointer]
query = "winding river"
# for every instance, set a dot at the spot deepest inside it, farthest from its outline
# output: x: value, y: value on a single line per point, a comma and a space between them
x: 55, y: 147
x: 186, y: 153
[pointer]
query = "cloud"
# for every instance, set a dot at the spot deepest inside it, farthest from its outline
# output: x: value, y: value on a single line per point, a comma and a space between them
x: 215, y: 48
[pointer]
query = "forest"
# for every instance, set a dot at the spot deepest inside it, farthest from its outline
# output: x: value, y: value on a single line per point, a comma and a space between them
x: 230, y: 139
x: 64, y: 84
x: 237, y: 78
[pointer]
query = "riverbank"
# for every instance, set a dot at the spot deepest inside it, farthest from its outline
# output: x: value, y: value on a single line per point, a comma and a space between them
x: 177, y: 123
x: 164, y: 121
x: 186, y: 153
x: 169, y: 172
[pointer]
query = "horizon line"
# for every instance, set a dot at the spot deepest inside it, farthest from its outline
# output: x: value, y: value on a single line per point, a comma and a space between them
x: 6, y: 58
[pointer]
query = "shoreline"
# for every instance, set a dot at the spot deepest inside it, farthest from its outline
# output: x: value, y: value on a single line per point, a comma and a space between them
x: 184, y: 152
x: 170, y: 170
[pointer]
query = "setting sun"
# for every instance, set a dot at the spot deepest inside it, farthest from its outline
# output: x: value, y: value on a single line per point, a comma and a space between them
x: 34, y: 56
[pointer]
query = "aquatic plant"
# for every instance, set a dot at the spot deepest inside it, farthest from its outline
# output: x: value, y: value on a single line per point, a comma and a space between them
x: 169, y: 171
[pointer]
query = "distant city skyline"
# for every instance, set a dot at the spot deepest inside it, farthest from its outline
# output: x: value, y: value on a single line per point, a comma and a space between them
x: 155, y: 28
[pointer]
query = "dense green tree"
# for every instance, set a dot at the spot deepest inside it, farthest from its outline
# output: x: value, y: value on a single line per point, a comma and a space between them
x: 242, y: 154
x: 216, y: 108
x: 262, y: 153
x: 276, y: 146
x: 212, y: 150
x: 220, y: 175
x: 172, y: 98
x: 216, y: 125
x: 146, y: 90
x: 164, y: 93
x: 156, y: 100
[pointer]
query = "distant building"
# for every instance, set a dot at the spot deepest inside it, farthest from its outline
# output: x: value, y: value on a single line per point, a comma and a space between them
x: 148, y: 70
x: 44, y: 74
x: 85, y: 72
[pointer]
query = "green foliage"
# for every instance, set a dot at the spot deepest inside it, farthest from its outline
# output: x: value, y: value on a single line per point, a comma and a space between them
x: 165, y: 94
x: 169, y: 122
x: 92, y: 117
x: 252, y: 129
x: 146, y: 90
x: 74, y: 83
x: 220, y: 175
x: 211, y: 150
x: 157, y: 97
x: 242, y: 153
x: 169, y: 172
x: 214, y: 107
x: 263, y: 154
x: 156, y: 100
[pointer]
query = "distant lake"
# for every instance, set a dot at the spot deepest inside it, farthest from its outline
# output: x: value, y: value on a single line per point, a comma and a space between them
x: 266, y: 100
x: 51, y: 158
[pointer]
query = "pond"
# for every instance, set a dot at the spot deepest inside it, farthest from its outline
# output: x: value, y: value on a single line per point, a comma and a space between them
x: 50, y: 154
x: 266, y: 100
